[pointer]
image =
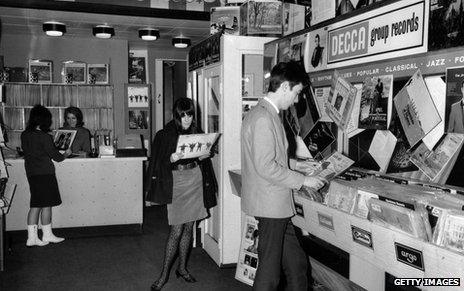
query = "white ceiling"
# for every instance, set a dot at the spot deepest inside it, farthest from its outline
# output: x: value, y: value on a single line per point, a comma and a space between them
x: 29, y: 21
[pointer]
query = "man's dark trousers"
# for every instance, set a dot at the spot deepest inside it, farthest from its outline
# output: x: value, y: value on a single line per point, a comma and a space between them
x: 279, y: 250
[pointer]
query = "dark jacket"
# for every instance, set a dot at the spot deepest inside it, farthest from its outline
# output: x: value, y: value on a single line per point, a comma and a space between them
x: 159, y: 180
x: 39, y: 152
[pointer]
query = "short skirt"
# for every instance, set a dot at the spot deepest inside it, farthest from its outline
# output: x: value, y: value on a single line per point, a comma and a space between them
x: 44, y: 191
x: 187, y: 197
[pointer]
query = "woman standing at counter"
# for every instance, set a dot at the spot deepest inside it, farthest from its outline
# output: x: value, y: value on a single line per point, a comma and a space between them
x: 179, y: 183
x: 74, y: 120
x: 39, y: 151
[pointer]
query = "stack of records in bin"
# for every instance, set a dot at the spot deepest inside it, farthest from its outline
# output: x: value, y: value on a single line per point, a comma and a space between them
x: 412, y: 222
x: 449, y: 231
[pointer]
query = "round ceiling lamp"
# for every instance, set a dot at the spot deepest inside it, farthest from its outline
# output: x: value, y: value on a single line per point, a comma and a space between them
x: 53, y: 28
x: 181, y: 42
x: 149, y: 34
x: 103, y: 31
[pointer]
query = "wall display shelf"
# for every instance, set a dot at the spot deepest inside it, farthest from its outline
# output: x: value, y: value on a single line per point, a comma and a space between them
x: 95, y: 101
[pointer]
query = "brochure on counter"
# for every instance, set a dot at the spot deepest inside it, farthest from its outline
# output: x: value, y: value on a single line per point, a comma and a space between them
x: 196, y: 145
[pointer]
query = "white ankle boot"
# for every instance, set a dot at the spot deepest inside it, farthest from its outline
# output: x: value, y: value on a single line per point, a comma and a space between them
x: 33, y: 238
x: 48, y: 235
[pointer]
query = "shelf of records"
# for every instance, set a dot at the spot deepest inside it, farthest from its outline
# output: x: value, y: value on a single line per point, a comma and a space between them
x: 410, y: 128
x: 405, y: 230
x: 72, y: 72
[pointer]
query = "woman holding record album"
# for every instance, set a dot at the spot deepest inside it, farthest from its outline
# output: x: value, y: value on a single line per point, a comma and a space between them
x: 74, y: 120
x: 187, y: 186
x: 39, y: 151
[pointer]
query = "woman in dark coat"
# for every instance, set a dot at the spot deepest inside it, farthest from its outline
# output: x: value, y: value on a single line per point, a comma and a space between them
x: 181, y: 184
x: 39, y: 151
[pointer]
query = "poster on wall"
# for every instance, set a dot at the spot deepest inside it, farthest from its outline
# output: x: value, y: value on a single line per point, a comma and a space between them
x: 454, y: 100
x: 137, y: 67
x: 416, y: 110
x: 137, y: 96
x: 315, y: 57
x: 74, y: 72
x: 248, y: 254
x: 138, y: 119
x: 137, y: 108
x: 446, y: 27
x: 297, y: 48
x: 40, y: 71
x: 376, y: 102
x: 98, y: 73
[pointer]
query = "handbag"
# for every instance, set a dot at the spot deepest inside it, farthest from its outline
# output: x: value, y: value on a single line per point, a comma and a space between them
x: 210, y: 186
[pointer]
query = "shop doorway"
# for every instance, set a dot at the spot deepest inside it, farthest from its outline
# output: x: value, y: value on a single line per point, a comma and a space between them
x: 170, y: 84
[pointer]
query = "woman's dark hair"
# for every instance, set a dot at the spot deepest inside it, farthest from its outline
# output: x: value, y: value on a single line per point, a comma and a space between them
x: 183, y: 106
x: 40, y: 116
x: 76, y: 112
x: 291, y: 71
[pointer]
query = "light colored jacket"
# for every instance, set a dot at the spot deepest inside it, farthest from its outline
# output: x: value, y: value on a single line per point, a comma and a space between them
x: 455, y: 123
x: 266, y: 178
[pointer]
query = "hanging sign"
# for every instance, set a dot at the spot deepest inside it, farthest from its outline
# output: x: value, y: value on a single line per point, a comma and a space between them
x: 390, y: 31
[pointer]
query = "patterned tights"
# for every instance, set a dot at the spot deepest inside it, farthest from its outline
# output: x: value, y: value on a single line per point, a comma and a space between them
x: 180, y: 238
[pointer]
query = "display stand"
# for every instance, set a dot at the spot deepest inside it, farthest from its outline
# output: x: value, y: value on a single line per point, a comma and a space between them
x: 217, y: 84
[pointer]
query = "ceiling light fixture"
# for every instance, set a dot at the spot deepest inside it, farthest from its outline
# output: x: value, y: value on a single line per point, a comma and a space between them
x: 53, y: 28
x: 181, y: 42
x: 149, y: 34
x: 103, y: 31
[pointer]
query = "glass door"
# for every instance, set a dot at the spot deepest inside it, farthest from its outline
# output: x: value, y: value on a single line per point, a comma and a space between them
x: 211, y: 123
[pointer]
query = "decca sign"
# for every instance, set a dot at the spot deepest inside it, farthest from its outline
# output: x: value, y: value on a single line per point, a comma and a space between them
x: 393, y: 30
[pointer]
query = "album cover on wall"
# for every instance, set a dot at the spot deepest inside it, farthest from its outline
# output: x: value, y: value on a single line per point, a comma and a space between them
x: 319, y: 138
x: 446, y: 27
x: 400, y: 161
x: 340, y: 101
x: 316, y: 50
x: 433, y: 163
x: 454, y: 100
x: 137, y: 67
x: 376, y: 102
x: 416, y: 110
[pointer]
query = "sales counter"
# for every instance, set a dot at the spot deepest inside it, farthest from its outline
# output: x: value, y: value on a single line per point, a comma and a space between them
x: 94, y: 191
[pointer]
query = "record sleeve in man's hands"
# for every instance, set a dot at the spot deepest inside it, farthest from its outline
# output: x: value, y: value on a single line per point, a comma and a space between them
x: 195, y: 145
x: 64, y: 138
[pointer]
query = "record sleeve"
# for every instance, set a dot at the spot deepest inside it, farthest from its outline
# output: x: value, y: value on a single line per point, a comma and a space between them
x: 340, y: 101
x: 416, y: 110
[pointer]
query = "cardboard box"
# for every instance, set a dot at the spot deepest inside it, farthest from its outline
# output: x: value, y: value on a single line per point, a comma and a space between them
x: 261, y: 18
x: 293, y: 18
x: 226, y: 19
